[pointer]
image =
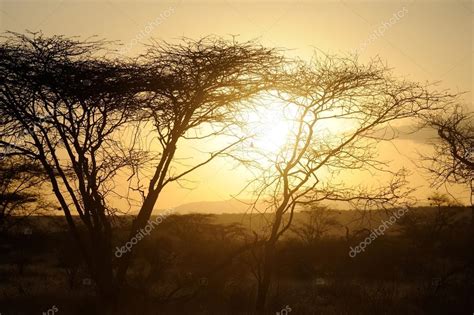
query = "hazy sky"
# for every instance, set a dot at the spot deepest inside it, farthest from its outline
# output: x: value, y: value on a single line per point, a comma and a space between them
x: 421, y: 40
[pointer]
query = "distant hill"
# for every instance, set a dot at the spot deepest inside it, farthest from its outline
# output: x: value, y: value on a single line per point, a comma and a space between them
x: 227, y: 206
x: 213, y: 207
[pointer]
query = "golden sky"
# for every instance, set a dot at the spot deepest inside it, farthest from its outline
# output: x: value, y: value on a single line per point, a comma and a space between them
x: 421, y: 40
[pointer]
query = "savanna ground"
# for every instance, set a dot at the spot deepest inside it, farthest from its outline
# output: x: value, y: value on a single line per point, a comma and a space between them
x: 191, y: 264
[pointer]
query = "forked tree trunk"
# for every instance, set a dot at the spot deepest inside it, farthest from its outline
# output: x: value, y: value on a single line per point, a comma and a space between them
x: 140, y: 222
x: 156, y: 186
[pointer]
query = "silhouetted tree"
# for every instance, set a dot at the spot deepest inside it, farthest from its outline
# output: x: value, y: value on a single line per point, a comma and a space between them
x: 453, y: 161
x: 205, y: 84
x: 19, y: 195
x: 319, y: 221
x: 453, y: 157
x: 69, y: 107
x: 62, y: 106
x: 362, y: 100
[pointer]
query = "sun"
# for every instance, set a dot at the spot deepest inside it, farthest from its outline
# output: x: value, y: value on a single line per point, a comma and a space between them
x: 270, y: 127
x: 273, y: 126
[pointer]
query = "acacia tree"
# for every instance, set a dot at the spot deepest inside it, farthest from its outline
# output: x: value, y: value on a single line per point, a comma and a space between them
x: 320, y: 220
x: 453, y: 162
x: 19, y: 197
x: 453, y: 157
x: 205, y: 83
x: 67, y: 106
x: 339, y: 111
x: 61, y: 107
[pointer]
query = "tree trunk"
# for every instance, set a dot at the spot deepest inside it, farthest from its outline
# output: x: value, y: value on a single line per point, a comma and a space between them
x: 107, y: 289
x: 265, y: 282
x: 156, y: 185
x: 139, y: 223
x: 102, y: 269
x: 472, y: 218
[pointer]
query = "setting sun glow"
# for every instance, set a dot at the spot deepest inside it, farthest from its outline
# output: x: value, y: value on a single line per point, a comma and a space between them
x: 270, y: 127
